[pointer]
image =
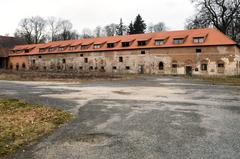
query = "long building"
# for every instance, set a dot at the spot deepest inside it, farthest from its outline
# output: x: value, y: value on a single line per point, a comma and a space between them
x: 199, y: 51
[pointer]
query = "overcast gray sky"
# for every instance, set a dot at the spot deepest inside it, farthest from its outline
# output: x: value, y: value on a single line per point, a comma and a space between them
x: 91, y: 13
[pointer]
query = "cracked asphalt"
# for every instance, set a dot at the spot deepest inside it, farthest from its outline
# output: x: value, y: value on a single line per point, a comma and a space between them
x: 144, y: 118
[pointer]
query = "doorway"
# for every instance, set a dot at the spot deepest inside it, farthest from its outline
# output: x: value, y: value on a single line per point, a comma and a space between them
x: 141, y: 69
x: 189, y: 70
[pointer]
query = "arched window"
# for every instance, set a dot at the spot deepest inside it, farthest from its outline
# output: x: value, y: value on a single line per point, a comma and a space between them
x: 161, y: 66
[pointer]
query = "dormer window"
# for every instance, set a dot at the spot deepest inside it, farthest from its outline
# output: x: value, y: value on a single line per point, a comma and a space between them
x: 42, y: 50
x: 26, y: 51
x: 72, y: 48
x: 159, y: 42
x: 61, y: 49
x: 96, y: 46
x: 142, y: 43
x: 84, y: 47
x: 125, y: 44
x: 178, y: 41
x: 19, y: 51
x: 198, y: 40
x: 110, y: 45
x: 51, y: 49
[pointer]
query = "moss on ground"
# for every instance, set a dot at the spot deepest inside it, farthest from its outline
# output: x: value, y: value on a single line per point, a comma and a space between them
x: 21, y: 123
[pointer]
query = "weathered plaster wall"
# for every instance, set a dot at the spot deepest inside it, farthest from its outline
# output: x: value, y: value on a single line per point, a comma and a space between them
x: 136, y: 61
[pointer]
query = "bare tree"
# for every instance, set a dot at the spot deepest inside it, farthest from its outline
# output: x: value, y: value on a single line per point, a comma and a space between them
x: 39, y: 25
x: 32, y: 30
x: 86, y: 33
x: 222, y: 14
x: 54, y: 25
x: 159, y: 27
x: 98, y: 32
x: 111, y: 30
x: 65, y: 30
x: 150, y: 28
x: 25, y: 30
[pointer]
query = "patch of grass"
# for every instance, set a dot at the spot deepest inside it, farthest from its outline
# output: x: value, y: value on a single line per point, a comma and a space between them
x: 229, y: 80
x: 22, y: 123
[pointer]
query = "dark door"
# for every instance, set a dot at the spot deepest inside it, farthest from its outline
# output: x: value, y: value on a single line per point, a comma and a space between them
x: 189, y: 70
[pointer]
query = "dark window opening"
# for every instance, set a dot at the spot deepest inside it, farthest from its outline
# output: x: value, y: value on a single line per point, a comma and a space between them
x: 196, y: 69
x: 59, y: 67
x: 27, y: 51
x: 142, y: 43
x: 221, y: 65
x: 40, y: 57
x: 81, y: 55
x: 63, y: 60
x: 91, y: 68
x: 71, y: 68
x: 143, y: 52
x: 45, y: 68
x: 120, y: 59
x: 96, y: 68
x: 34, y: 61
x: 127, y: 67
x: 84, y: 47
x: 161, y: 66
x: 86, y: 60
x: 174, y: 65
x: 125, y: 44
x: 204, y: 67
x: 114, y: 67
x: 198, y: 50
x: 110, y: 45
x: 80, y: 68
x: 17, y: 67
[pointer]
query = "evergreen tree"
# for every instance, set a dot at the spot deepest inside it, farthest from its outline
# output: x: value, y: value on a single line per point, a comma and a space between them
x: 139, y: 25
x: 131, y: 29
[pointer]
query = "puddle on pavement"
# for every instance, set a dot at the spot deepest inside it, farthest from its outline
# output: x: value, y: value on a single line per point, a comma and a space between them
x: 121, y: 92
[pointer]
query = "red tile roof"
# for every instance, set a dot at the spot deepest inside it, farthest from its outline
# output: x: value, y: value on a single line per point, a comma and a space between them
x: 213, y: 37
